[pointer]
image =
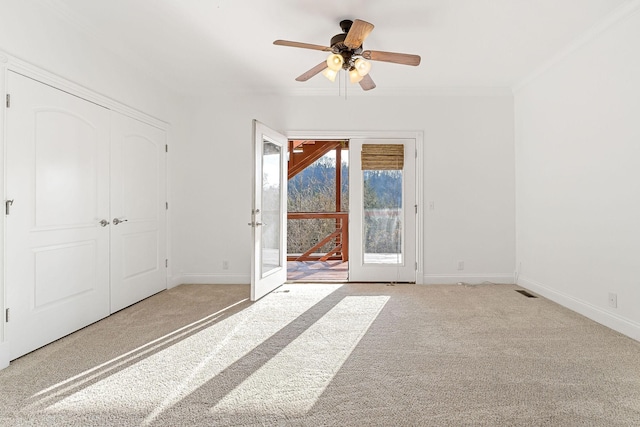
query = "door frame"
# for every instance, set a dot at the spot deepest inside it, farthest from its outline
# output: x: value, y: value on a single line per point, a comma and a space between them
x: 418, y: 136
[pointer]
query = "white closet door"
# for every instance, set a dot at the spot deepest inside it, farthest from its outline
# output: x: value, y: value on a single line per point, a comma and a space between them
x: 57, y: 270
x: 138, y: 212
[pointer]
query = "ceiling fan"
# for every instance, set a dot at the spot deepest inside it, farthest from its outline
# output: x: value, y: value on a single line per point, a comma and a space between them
x: 347, y: 54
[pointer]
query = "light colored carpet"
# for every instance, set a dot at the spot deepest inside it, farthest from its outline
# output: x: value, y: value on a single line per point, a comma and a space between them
x: 334, y: 355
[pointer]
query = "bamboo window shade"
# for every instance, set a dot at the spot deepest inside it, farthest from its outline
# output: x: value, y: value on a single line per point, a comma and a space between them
x: 382, y: 157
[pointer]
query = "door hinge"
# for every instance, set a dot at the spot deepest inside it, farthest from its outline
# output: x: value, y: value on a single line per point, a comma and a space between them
x: 416, y: 206
x: 7, y: 206
x: 416, y: 153
x: 416, y: 265
x: 166, y: 263
x: 6, y: 315
x: 166, y: 206
x: 166, y: 148
x: 8, y: 101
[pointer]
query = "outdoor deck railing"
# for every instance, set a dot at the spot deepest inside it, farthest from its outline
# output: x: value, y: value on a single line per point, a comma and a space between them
x: 340, y: 237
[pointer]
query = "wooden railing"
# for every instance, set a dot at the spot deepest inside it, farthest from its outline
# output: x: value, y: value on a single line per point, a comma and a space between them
x: 340, y: 237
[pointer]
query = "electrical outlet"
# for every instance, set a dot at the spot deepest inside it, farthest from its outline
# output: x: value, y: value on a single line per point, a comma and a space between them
x: 225, y: 265
x: 460, y: 265
x: 613, y: 300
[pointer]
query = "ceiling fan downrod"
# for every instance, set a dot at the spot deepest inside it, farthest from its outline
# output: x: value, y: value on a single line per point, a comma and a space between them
x: 346, y: 25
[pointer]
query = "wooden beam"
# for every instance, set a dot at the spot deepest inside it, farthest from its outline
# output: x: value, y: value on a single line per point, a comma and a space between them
x: 339, y: 178
x: 312, y: 152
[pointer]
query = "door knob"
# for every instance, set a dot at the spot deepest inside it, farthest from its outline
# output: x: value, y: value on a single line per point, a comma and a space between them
x: 117, y: 221
x: 103, y: 222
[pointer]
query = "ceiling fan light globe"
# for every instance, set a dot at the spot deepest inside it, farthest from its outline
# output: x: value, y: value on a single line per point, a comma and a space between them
x: 335, y: 61
x: 354, y: 76
x: 362, y: 66
x: 330, y: 74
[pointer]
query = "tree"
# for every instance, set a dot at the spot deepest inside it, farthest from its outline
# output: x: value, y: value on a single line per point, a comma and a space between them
x: 313, y: 190
x: 382, y: 211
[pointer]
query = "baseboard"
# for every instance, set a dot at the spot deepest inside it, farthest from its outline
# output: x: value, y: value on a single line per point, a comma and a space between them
x: 210, y: 279
x: 611, y: 320
x: 4, y: 355
x: 427, y: 279
x: 473, y: 279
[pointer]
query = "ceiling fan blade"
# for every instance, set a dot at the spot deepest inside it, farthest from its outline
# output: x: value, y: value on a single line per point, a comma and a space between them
x: 357, y: 33
x: 367, y: 83
x: 301, y: 45
x: 397, y: 58
x: 312, y: 72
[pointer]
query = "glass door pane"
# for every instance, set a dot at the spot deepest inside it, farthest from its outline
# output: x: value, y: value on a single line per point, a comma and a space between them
x: 383, y: 214
x: 271, y: 207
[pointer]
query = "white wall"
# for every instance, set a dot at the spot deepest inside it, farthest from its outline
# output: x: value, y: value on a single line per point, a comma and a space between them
x: 468, y: 174
x: 578, y: 178
x: 37, y: 35
x: 33, y: 32
x: 211, y: 193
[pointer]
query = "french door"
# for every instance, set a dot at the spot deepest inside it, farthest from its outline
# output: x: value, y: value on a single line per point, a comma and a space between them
x: 382, y: 210
x: 269, y: 211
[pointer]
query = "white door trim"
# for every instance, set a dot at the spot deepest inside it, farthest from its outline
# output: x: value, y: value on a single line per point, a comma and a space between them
x: 419, y: 138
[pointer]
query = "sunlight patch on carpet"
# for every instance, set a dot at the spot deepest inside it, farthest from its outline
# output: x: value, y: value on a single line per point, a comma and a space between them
x: 78, y: 380
x: 292, y: 381
x: 155, y: 383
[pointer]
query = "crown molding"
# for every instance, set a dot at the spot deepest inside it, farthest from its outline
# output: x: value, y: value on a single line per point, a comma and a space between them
x: 29, y: 70
x: 622, y: 12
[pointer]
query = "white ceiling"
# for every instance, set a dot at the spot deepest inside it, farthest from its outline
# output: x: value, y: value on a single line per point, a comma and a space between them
x: 205, y: 46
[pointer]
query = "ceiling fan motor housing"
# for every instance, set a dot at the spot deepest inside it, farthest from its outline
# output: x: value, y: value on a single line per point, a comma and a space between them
x: 337, y: 41
x: 338, y: 46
